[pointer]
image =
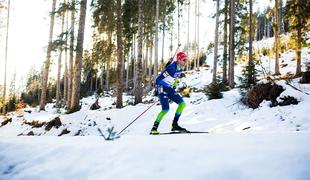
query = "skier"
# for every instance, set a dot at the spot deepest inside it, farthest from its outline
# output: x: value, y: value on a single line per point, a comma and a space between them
x: 166, y: 84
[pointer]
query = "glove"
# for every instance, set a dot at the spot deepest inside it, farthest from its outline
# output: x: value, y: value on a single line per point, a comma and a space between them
x: 182, y: 75
x: 176, y: 83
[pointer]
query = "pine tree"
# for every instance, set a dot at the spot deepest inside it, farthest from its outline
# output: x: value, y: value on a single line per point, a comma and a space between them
x: 298, y: 13
x: 216, y: 37
x: 214, y: 89
x: 6, y: 57
x: 47, y: 61
x: 188, y: 30
x: 276, y: 36
x: 156, y: 39
x: 232, y: 45
x: 138, y: 85
x: 119, y: 99
x: 225, y: 43
x: 58, y: 92
x: 251, y: 63
x: 71, y: 55
x: 78, y: 61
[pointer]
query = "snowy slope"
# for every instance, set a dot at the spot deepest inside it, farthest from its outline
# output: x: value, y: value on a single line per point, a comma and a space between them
x: 265, y: 143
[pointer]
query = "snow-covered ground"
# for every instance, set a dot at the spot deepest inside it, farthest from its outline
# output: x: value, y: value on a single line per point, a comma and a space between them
x: 217, y: 156
x: 242, y: 143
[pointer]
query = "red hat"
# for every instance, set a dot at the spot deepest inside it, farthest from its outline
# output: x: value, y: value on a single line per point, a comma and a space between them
x: 181, y: 56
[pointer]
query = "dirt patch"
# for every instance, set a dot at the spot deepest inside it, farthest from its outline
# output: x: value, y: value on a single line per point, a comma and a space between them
x: 6, y: 121
x: 30, y: 133
x: 65, y: 131
x: 305, y: 78
x: 35, y: 124
x: 261, y: 92
x: 287, y: 100
x: 53, y: 123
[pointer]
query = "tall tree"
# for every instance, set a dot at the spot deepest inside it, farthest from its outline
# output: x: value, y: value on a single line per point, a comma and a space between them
x: 225, y: 42
x: 138, y: 84
x: 276, y: 37
x: 48, y: 57
x: 71, y: 54
x: 151, y: 65
x: 198, y: 33
x: 188, y: 28
x: 216, y: 37
x: 120, y: 61
x: 75, y: 98
x: 232, y: 44
x: 179, y: 15
x: 58, y: 92
x: 251, y: 63
x: 298, y: 14
x: 195, y: 41
x: 164, y: 27
x: 66, y: 58
x: 6, y: 56
x: 156, y: 39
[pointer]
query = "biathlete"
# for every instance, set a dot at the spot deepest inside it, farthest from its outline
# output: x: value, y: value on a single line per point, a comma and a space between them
x: 166, y: 84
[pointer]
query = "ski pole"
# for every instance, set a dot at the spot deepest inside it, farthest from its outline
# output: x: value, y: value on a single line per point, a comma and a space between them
x: 171, y: 59
x: 137, y: 117
x: 179, y: 45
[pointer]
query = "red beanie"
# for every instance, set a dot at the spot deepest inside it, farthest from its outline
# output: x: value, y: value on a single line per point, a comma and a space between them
x: 181, y: 56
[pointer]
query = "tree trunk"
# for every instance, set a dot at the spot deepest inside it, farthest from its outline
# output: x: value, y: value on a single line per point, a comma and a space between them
x: 131, y: 73
x: 250, y: 73
x: 188, y: 28
x: 134, y: 61
x: 107, y: 85
x: 58, y: 92
x: 107, y: 81
x: 47, y: 61
x: 195, y: 44
x: 198, y: 27
x: 156, y: 39
x: 225, y: 43
x: 78, y: 60
x: 178, y: 2
x: 70, y: 73
x: 119, y: 98
x: 90, y: 75
x: 232, y: 44
x: 299, y: 41
x: 101, y: 78
x: 164, y: 26
x: 96, y: 84
x: 151, y: 65
x: 281, y: 27
x: 276, y: 36
x: 66, y: 62
x: 6, y: 58
x: 216, y: 38
x: 146, y: 58
x: 127, y: 70
x: 138, y: 85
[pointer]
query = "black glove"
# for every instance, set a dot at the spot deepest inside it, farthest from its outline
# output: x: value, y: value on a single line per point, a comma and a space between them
x: 182, y: 75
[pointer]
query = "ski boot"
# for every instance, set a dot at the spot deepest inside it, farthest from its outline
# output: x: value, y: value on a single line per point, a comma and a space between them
x: 154, y: 129
x: 176, y: 128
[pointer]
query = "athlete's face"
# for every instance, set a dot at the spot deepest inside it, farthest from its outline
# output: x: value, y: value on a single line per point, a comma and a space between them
x: 183, y: 62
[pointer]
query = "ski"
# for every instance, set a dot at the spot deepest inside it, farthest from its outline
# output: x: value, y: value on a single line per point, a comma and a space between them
x: 188, y: 132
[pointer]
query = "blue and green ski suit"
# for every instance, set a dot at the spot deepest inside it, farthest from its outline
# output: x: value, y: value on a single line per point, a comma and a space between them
x: 165, y: 87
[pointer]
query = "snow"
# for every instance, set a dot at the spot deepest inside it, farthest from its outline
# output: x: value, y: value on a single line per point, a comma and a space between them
x: 242, y: 143
x: 226, y: 156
